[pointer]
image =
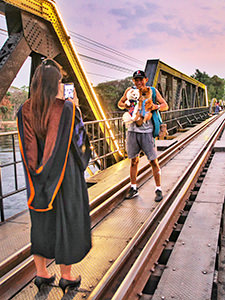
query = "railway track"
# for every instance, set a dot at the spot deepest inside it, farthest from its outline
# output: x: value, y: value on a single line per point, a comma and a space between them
x: 102, y: 206
x: 142, y: 253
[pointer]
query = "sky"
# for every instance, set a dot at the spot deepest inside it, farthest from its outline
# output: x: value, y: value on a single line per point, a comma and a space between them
x: 187, y: 35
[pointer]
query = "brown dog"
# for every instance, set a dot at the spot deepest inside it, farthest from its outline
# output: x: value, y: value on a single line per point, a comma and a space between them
x: 163, y: 131
x: 142, y: 117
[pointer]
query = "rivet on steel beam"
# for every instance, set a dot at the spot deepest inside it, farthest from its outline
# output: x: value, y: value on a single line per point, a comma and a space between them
x: 183, y: 243
x: 91, y: 286
x: 162, y: 297
x: 189, y: 226
x: 111, y: 260
x: 156, y: 263
x: 209, y: 245
x: 204, y: 272
x: 84, y: 296
x: 174, y: 269
x: 167, y: 240
x: 139, y: 295
x: 175, y: 223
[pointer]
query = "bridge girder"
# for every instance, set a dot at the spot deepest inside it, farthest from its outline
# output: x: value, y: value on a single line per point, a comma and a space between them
x: 179, y: 90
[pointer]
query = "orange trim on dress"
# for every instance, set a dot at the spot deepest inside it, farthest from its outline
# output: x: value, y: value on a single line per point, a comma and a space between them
x: 38, y: 171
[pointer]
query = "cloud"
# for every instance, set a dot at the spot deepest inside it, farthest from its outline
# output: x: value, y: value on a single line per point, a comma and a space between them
x: 141, y: 41
x: 164, y: 28
x: 169, y: 17
x: 130, y: 15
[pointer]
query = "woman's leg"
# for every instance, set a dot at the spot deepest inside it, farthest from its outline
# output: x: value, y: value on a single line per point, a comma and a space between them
x: 40, y: 263
x: 66, y: 272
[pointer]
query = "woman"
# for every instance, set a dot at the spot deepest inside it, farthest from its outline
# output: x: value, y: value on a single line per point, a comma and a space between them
x: 55, y: 152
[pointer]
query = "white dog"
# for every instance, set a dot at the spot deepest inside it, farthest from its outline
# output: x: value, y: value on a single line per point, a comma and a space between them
x: 132, y: 101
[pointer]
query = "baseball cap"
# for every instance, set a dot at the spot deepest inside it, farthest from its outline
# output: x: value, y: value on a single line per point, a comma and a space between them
x: 139, y: 74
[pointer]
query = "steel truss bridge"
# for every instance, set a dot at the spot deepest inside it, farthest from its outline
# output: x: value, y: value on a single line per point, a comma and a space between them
x: 36, y: 29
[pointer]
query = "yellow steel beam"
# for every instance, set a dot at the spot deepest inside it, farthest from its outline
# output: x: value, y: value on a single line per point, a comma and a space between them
x: 164, y: 67
x: 47, y: 10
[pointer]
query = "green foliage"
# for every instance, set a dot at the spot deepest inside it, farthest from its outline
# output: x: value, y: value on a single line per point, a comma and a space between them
x: 215, y: 85
x: 12, y: 101
x: 111, y: 92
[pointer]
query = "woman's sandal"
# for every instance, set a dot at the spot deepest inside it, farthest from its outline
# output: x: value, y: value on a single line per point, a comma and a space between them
x: 64, y: 283
x: 39, y: 281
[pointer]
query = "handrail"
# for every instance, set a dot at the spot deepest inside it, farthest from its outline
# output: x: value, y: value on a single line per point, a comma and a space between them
x: 101, y: 152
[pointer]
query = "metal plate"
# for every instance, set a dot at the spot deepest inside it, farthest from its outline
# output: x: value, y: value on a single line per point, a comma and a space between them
x: 109, y: 238
x: 190, y: 269
x: 14, y: 235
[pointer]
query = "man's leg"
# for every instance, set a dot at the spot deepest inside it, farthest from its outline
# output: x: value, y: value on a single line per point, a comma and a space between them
x: 157, y: 177
x: 134, y: 169
x: 133, y: 192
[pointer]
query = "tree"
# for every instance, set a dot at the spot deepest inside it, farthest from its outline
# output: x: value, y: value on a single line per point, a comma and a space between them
x: 215, y: 85
x: 110, y: 92
x: 18, y: 97
x: 5, y: 108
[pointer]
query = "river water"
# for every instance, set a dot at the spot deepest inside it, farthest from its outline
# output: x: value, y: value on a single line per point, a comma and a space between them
x: 16, y: 203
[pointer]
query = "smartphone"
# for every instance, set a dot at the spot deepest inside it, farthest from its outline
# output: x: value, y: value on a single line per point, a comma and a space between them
x: 68, y: 90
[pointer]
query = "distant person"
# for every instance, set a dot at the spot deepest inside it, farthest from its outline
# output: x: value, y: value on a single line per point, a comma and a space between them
x: 55, y: 152
x: 217, y: 107
x: 141, y: 138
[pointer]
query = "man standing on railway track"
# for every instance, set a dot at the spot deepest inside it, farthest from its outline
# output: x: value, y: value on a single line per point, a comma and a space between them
x: 141, y: 138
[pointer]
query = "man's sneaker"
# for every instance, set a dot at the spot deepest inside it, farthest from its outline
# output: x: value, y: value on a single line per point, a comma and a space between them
x: 158, y: 196
x: 131, y: 193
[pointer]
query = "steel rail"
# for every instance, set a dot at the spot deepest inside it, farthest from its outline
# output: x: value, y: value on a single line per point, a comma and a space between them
x: 103, y: 288
x: 138, y: 275
x: 100, y: 207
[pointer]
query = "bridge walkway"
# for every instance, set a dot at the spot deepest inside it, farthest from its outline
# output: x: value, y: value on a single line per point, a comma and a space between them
x: 114, y: 232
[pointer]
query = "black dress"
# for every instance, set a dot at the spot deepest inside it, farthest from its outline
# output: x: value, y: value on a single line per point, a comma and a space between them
x: 60, y: 228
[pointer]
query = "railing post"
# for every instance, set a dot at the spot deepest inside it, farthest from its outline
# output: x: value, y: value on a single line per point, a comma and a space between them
x: 1, y: 199
x: 14, y: 162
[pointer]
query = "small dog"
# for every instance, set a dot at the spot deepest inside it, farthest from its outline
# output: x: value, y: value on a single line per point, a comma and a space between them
x: 132, y: 103
x: 163, y: 131
x: 145, y: 105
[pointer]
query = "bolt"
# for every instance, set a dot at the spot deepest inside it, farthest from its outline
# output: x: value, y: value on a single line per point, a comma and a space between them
x: 139, y: 295
x: 174, y: 269
x: 152, y: 270
x: 183, y: 243
x: 189, y: 226
x: 111, y: 260
x: 204, y: 272
x: 209, y: 245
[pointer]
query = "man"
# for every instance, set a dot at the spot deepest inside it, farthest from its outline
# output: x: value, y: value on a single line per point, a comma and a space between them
x: 141, y: 138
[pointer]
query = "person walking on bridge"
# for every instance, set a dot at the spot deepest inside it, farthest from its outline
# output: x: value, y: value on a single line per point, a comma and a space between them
x: 55, y: 152
x: 141, y: 138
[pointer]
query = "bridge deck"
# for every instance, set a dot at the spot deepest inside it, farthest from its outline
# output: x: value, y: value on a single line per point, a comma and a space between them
x: 189, y: 273
x: 15, y: 232
x: 113, y: 233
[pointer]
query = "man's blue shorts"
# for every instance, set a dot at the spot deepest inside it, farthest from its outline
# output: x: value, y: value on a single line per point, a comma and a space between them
x: 141, y: 141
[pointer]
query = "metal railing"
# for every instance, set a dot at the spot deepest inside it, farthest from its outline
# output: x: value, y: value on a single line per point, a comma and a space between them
x: 102, y: 155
